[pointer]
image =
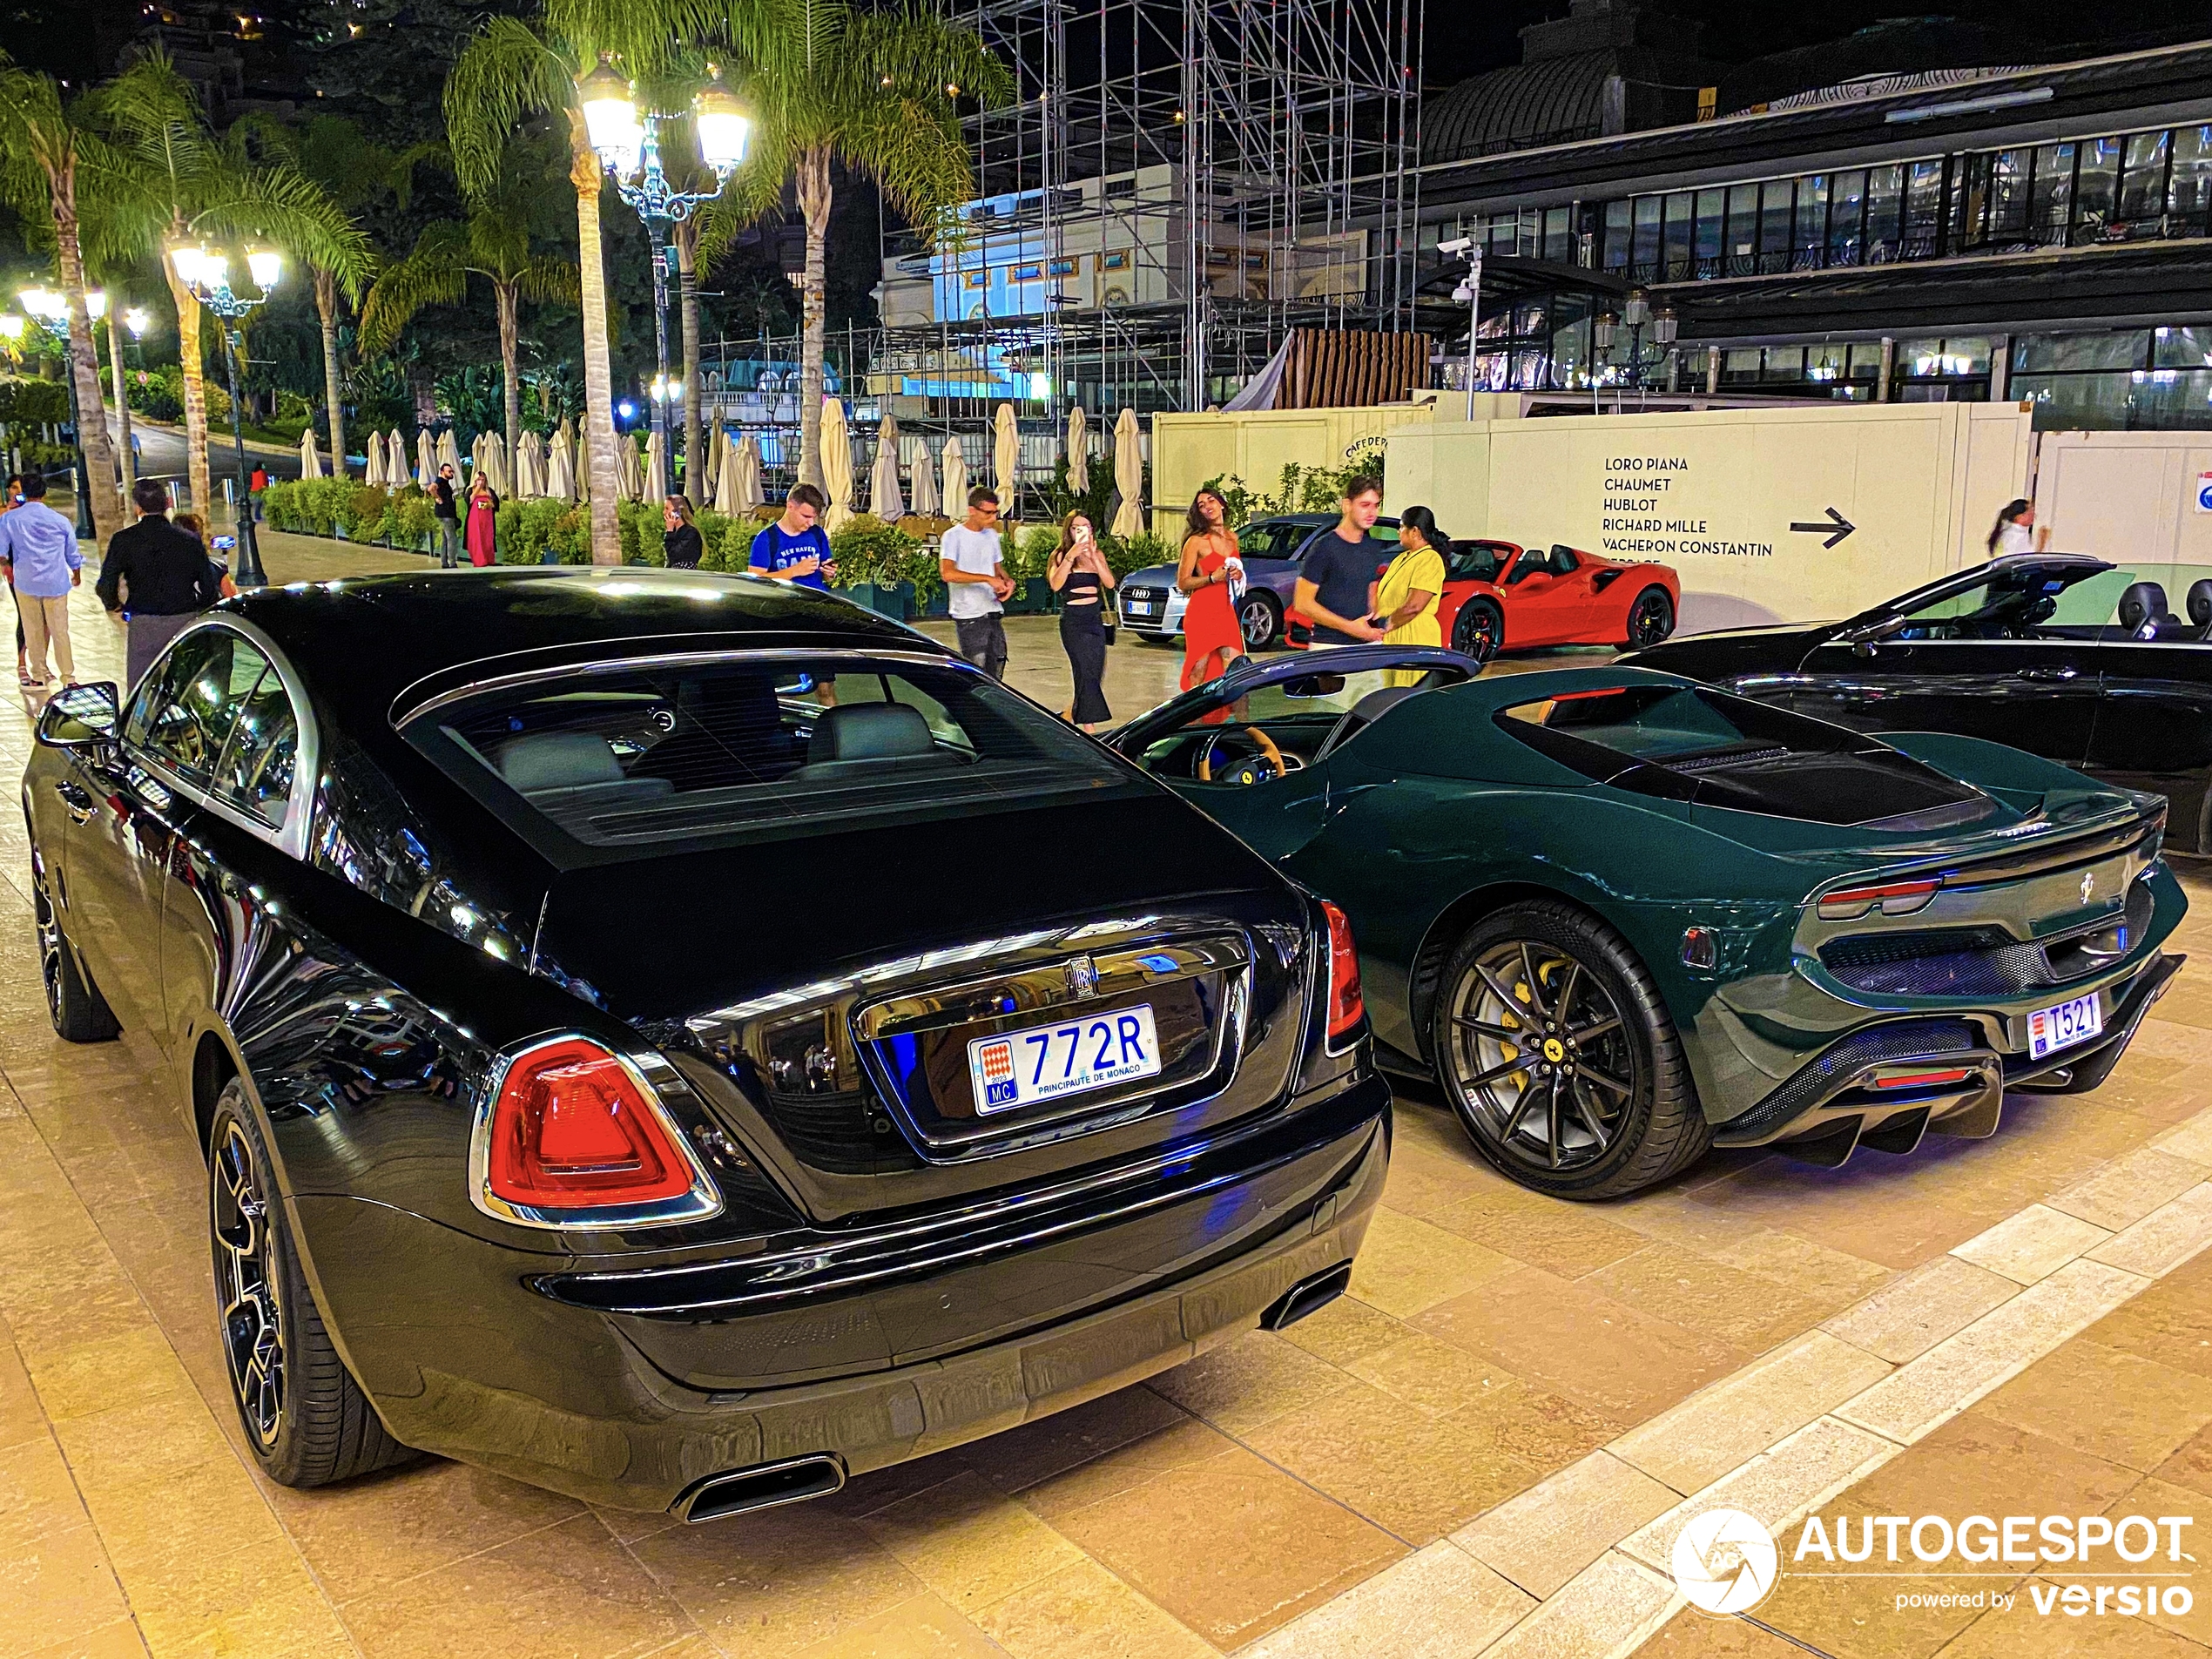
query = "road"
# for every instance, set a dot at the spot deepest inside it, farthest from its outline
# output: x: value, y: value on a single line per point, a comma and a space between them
x: 161, y: 455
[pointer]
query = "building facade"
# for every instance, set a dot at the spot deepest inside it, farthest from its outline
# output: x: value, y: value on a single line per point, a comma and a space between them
x: 2039, y: 232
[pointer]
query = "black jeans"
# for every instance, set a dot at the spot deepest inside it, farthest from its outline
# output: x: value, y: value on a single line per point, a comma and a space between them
x: 982, y: 641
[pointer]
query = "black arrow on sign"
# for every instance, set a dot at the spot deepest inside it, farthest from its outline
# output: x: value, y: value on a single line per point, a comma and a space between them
x: 1835, y: 522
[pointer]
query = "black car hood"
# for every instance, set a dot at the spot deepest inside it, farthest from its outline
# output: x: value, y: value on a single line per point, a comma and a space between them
x: 1775, y: 648
x: 670, y: 938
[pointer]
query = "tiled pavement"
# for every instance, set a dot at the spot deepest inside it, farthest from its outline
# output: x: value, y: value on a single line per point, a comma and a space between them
x: 1481, y: 1449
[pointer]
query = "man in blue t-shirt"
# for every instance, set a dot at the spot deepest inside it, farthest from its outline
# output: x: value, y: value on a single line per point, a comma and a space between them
x: 796, y: 549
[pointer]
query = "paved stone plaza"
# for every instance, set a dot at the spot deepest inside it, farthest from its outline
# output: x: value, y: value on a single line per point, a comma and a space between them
x: 1481, y: 1450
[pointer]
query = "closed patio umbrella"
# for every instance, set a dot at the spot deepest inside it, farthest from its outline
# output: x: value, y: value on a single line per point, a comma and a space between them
x: 310, y: 463
x: 396, y: 470
x: 921, y: 472
x: 450, y: 455
x: 1006, y: 457
x: 1078, y: 451
x: 1128, y: 474
x: 373, y: 473
x: 837, y: 464
x: 560, y: 466
x: 955, y: 479
x: 426, y: 457
x: 726, y: 476
x: 750, y: 492
x: 653, y: 485
x: 883, y: 480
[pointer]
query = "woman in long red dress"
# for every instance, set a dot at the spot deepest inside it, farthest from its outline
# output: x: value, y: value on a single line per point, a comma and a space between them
x: 483, y: 520
x: 1211, y: 639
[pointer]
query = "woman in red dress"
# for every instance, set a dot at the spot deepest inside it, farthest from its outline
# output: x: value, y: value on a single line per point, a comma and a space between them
x: 483, y: 521
x: 1211, y: 639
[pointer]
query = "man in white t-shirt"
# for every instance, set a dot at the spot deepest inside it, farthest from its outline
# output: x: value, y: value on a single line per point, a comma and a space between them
x: 976, y: 583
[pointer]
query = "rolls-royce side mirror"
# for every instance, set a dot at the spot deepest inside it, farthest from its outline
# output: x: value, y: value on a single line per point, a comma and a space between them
x: 81, y: 717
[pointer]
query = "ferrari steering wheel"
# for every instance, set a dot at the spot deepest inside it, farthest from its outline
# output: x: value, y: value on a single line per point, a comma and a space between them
x: 1249, y: 772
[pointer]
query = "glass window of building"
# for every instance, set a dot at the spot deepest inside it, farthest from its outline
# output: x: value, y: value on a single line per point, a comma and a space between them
x: 1923, y: 210
x: 2095, y: 188
x: 1778, y: 199
x: 2073, y: 354
x: 1884, y: 202
x: 1847, y: 202
x: 2138, y: 380
x: 1558, y: 234
x: 2050, y: 196
x: 1647, y: 235
x: 2182, y: 348
x: 2142, y: 184
x: 1743, y: 230
x: 2189, y: 196
x: 2009, y: 173
x: 1712, y: 208
x: 1617, y: 235
x: 1676, y: 250
x: 1812, y: 222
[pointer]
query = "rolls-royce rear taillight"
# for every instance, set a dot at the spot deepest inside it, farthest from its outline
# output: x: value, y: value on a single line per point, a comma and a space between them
x: 572, y: 1134
x: 1347, y: 1007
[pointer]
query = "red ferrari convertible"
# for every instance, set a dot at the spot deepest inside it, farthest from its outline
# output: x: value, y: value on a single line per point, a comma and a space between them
x: 1500, y: 596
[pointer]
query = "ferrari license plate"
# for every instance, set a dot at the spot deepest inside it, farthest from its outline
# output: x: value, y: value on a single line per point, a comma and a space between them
x: 2050, y: 1029
x: 1017, y: 1069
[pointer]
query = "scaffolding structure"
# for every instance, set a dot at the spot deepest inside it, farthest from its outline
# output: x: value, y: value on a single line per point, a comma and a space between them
x: 1175, y: 184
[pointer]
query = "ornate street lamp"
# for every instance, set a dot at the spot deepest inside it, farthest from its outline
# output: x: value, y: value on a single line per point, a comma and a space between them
x: 628, y: 146
x: 205, y: 270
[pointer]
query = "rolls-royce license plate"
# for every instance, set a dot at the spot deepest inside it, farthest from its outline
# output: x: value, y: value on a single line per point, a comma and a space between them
x: 2050, y: 1029
x: 1017, y: 1069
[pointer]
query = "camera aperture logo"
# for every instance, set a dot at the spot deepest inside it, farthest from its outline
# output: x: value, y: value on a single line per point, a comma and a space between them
x: 1725, y: 1561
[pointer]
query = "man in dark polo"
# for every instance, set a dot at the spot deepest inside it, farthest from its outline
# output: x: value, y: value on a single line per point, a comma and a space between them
x: 156, y: 576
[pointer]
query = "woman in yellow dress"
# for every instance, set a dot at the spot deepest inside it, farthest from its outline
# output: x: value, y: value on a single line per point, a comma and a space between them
x: 1411, y: 588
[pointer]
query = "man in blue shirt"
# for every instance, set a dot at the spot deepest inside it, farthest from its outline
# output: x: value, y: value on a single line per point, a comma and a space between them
x: 39, y: 547
x: 796, y: 549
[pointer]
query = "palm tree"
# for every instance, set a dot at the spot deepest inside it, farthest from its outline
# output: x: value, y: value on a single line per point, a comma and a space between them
x: 355, y: 173
x: 46, y: 159
x: 183, y: 182
x: 495, y: 245
x: 513, y: 69
x: 877, y: 93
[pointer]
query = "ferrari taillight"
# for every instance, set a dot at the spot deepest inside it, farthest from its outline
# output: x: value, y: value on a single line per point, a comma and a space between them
x: 574, y: 1129
x: 1892, y: 899
x: 1347, y: 1007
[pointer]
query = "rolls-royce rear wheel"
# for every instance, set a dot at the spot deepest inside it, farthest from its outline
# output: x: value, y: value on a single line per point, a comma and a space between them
x: 1651, y: 618
x: 306, y: 1418
x: 1479, y: 629
x: 1555, y: 1050
x: 80, y: 1014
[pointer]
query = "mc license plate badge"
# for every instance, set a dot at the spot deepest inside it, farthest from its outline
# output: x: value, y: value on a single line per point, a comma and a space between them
x: 1018, y: 1069
x: 2050, y: 1029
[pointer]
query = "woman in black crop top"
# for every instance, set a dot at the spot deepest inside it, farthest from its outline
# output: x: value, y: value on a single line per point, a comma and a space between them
x: 1080, y: 574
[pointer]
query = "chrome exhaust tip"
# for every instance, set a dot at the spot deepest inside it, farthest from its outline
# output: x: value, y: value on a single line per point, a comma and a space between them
x: 763, y: 1487
x: 1307, y: 1295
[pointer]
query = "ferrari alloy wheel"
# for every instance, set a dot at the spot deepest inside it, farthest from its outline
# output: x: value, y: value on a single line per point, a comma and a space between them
x: 1261, y: 619
x: 306, y: 1418
x: 80, y: 1014
x: 1480, y: 629
x: 1650, y: 619
x: 1559, y: 1057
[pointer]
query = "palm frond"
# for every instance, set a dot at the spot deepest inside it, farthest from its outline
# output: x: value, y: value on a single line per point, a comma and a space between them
x: 506, y: 73
x: 283, y: 202
x: 432, y: 275
x: 545, y: 279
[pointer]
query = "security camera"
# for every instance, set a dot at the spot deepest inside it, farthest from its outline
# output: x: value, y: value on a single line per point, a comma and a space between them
x: 1463, y: 294
x: 1456, y: 246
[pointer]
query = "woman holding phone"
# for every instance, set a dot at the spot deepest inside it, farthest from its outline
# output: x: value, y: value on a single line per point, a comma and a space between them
x: 1080, y: 574
x: 1212, y: 574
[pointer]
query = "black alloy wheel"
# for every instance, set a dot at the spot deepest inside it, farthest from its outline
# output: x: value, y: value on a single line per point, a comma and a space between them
x: 1480, y: 629
x: 1650, y: 619
x: 80, y: 1014
x: 307, y: 1422
x: 1559, y: 1057
x: 1260, y: 618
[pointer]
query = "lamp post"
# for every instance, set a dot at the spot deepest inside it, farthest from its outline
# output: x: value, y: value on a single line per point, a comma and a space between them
x: 1469, y: 292
x: 206, y: 271
x: 628, y: 146
x: 1664, y: 327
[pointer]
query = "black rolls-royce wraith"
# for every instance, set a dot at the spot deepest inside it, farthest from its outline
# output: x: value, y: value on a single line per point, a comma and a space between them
x: 679, y: 1040
x: 2101, y: 667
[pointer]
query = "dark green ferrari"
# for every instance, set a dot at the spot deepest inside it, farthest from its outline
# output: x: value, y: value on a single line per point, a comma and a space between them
x: 1621, y: 917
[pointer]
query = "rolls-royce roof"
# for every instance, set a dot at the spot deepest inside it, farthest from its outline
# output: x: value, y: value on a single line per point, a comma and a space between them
x: 361, y: 642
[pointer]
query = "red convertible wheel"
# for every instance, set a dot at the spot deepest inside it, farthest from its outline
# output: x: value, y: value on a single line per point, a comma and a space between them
x: 1479, y: 631
x: 1650, y: 619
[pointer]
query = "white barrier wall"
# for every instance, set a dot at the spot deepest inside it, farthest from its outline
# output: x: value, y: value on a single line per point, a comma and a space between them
x: 1744, y: 502
x: 2133, y: 497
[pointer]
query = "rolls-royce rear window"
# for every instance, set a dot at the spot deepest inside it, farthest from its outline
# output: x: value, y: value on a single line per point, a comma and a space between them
x: 668, y: 756
x: 1713, y: 750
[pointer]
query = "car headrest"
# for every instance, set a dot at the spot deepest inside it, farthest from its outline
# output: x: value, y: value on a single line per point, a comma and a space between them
x: 869, y: 732
x: 2143, y: 603
x: 556, y: 760
x: 2199, y: 602
x: 1375, y: 705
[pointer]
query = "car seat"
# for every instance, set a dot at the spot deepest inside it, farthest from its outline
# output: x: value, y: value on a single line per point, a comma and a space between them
x: 2200, y: 604
x: 2144, y: 615
x: 857, y: 740
x: 561, y: 771
x: 1365, y: 713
